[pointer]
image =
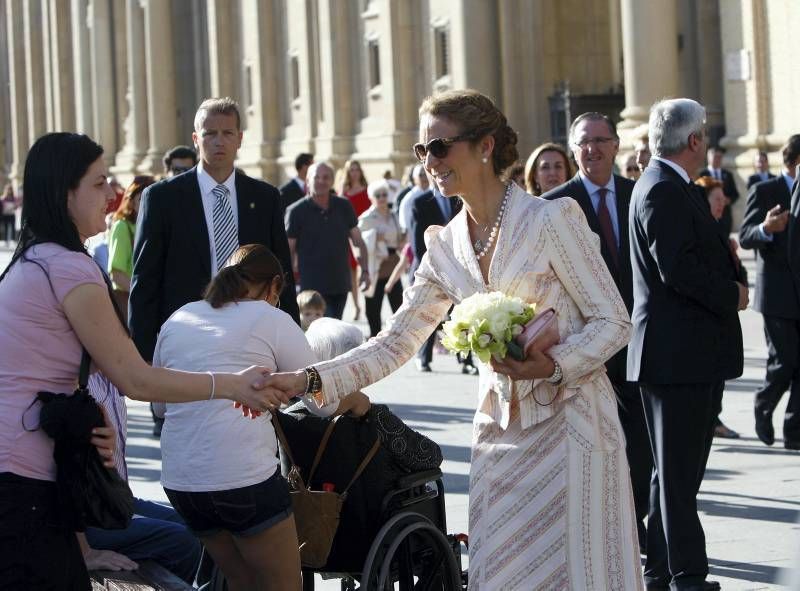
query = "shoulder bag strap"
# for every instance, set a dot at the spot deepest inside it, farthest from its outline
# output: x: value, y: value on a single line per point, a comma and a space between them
x: 322, y: 446
x: 83, y: 375
x: 364, y: 463
x: 285, y: 443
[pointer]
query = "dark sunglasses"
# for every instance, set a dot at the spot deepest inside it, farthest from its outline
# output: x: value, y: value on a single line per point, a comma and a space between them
x: 179, y: 169
x: 437, y: 147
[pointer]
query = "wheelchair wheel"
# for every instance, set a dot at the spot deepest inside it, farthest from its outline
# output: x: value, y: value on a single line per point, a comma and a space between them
x: 411, y: 551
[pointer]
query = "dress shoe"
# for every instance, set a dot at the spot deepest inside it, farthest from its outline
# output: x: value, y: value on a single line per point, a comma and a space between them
x: 793, y: 444
x: 704, y: 586
x: 725, y: 432
x: 422, y: 366
x: 764, y: 428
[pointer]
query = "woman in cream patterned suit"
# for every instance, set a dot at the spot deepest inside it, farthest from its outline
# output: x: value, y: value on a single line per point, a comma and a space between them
x: 550, y: 496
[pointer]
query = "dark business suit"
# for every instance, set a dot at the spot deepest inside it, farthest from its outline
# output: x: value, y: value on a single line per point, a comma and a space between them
x: 425, y: 212
x: 172, y: 256
x: 631, y: 412
x: 686, y: 340
x: 756, y: 178
x: 731, y: 192
x: 290, y: 193
x: 777, y: 299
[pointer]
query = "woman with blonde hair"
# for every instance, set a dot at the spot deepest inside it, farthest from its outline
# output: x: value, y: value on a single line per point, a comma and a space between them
x: 547, y: 167
x: 550, y: 501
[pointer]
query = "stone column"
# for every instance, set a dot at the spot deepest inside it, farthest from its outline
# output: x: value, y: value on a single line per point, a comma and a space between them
x: 160, y: 64
x: 104, y: 116
x: 81, y: 68
x: 264, y: 87
x: 650, y: 53
x: 338, y: 103
x: 135, y: 126
x: 524, y: 94
x: 17, y: 79
x: 220, y: 47
x: 34, y: 68
x: 63, y: 111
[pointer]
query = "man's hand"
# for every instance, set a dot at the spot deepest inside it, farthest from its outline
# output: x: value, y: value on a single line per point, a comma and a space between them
x: 107, y: 560
x: 104, y: 440
x: 775, y: 220
x: 744, y: 297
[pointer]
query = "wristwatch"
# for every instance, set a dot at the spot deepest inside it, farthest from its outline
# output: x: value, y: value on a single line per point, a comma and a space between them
x: 557, y: 376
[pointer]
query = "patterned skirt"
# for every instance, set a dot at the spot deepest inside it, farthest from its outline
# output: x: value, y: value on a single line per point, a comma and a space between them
x: 551, y: 506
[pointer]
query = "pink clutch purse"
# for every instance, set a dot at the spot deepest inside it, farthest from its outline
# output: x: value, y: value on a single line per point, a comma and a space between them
x: 539, y: 334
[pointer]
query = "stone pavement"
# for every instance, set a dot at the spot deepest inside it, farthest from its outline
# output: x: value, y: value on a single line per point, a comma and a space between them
x: 749, y: 501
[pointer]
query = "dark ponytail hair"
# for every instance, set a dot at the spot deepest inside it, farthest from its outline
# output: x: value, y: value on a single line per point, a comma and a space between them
x: 55, y: 165
x: 250, y: 265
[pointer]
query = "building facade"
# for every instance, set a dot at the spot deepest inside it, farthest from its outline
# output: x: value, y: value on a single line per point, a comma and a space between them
x: 344, y: 78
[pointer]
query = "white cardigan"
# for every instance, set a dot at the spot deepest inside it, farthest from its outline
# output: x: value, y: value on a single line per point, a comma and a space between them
x: 545, y: 254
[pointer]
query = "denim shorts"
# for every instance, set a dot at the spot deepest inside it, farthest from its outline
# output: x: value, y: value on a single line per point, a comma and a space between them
x: 242, y: 511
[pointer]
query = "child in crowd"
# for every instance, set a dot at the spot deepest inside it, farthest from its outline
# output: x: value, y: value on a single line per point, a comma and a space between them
x: 312, y: 307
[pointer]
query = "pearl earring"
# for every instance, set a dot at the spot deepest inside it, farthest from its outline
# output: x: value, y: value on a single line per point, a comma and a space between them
x: 484, y: 160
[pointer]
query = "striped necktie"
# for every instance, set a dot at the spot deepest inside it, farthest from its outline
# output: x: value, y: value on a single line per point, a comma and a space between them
x: 226, y: 235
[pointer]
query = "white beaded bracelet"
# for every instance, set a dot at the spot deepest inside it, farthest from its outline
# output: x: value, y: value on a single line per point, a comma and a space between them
x: 213, y: 385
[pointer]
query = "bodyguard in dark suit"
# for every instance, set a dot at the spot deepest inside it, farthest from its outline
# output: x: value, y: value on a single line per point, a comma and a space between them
x: 686, y: 337
x: 714, y: 169
x: 188, y: 225
x: 761, y: 164
x: 430, y: 208
x: 766, y: 228
x: 595, y: 143
x: 295, y: 188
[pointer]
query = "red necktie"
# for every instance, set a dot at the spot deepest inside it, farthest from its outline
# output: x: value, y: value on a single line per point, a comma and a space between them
x: 606, y: 227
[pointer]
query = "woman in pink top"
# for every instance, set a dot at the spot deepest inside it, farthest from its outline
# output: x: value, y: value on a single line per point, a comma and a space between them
x: 57, y: 302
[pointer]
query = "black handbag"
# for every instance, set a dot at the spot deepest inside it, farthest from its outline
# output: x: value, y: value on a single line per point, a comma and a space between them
x: 89, y: 494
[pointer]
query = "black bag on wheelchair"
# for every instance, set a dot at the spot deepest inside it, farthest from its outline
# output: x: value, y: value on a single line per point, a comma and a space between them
x: 350, y: 441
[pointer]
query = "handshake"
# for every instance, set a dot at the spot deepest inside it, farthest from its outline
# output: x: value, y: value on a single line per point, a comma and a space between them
x: 258, y: 390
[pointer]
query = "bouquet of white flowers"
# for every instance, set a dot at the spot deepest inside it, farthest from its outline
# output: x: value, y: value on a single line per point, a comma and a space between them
x: 486, y: 324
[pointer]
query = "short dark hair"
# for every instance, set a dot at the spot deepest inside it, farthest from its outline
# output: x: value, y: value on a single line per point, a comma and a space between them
x: 217, y: 106
x: 180, y: 152
x: 593, y: 116
x: 303, y: 159
x: 250, y: 265
x: 791, y: 150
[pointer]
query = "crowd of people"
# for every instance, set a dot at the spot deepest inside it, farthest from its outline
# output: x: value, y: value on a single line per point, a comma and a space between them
x: 212, y: 287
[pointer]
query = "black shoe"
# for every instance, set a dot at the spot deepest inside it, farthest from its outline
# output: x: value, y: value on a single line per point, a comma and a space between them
x: 764, y: 428
x: 469, y: 369
x: 422, y: 366
x: 793, y: 444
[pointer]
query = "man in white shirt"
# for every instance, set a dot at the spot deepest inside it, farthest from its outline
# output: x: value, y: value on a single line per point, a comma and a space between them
x: 190, y: 224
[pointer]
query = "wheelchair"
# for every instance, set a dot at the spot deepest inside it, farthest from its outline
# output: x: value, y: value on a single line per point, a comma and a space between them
x: 393, y: 529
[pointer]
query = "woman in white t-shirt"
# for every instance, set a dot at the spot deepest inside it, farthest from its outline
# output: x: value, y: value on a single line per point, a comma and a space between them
x: 220, y: 470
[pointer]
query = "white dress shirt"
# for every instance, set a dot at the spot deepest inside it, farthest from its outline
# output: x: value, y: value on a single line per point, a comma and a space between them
x: 676, y: 167
x: 207, y: 184
x: 611, y: 204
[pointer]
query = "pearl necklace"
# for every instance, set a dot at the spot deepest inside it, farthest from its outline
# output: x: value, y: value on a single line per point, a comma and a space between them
x: 478, y: 246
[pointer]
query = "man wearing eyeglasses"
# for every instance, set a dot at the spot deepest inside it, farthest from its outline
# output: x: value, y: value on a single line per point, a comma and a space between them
x: 604, y: 198
x: 178, y: 160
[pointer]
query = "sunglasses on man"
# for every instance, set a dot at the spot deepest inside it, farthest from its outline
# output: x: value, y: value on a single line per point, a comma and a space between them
x: 438, y: 147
